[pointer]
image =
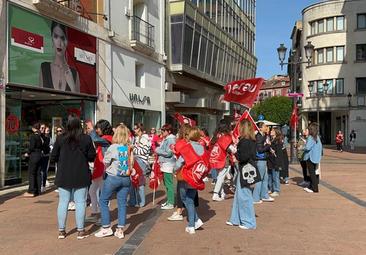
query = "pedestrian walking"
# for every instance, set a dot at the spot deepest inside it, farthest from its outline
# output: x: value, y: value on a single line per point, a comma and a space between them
x: 167, y: 163
x: 300, y: 155
x: 242, y: 211
x: 313, y: 154
x: 352, y: 139
x: 34, y: 164
x: 72, y: 151
x: 339, y: 141
x: 46, y: 149
x: 119, y: 163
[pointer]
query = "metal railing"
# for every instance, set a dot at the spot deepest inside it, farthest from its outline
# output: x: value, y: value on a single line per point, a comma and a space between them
x: 142, y: 31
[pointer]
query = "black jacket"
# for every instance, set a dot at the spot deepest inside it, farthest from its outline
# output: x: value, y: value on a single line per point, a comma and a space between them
x: 72, y: 162
x: 46, y: 144
x: 246, y: 154
x: 276, y: 160
x: 35, y: 147
x: 262, y: 150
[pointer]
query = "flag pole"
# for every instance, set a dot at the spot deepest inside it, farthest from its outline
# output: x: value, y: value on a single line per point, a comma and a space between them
x: 154, y: 196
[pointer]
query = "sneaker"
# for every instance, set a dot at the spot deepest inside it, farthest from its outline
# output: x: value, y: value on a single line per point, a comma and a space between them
x: 71, y: 206
x: 287, y: 182
x: 216, y: 197
x: 119, y: 233
x: 243, y: 227
x: 175, y: 217
x: 164, y: 204
x: 258, y: 202
x: 269, y: 192
x: 275, y: 194
x: 308, y: 190
x: 229, y: 223
x: 213, y: 182
x: 190, y: 230
x: 56, y: 190
x: 167, y: 207
x: 205, y: 179
x: 269, y: 199
x: 198, y: 224
x: 43, y: 189
x: 48, y: 184
x: 91, y: 219
x: 103, y: 232
x: 61, y: 234
x: 222, y: 195
x: 82, y: 235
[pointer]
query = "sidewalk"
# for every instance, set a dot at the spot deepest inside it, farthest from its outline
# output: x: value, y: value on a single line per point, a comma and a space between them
x: 296, y: 223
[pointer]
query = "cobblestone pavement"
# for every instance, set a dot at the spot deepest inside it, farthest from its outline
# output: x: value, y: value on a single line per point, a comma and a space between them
x: 331, y: 222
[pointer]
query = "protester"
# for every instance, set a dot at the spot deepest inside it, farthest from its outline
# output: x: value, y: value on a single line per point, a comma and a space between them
x: 222, y: 147
x: 263, y: 144
x: 72, y: 151
x: 154, y: 138
x: 119, y: 162
x: 46, y: 139
x: 313, y: 154
x: 300, y: 155
x: 242, y: 212
x: 59, y: 130
x: 167, y: 163
x: 141, y: 152
x: 187, y: 191
x: 101, y: 135
x: 339, y: 141
x: 352, y: 139
x: 35, y: 154
x: 275, y: 162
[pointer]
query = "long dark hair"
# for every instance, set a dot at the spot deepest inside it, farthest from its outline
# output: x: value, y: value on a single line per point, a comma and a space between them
x: 222, y: 128
x: 105, y: 127
x: 73, y: 130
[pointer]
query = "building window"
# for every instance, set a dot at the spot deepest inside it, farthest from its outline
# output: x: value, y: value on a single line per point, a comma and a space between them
x: 340, y: 23
x: 329, y: 55
x: 339, y: 86
x: 340, y: 53
x: 361, y: 21
x: 139, y: 75
x: 361, y: 52
x: 320, y: 26
x: 313, y: 27
x: 320, y: 56
x: 330, y: 24
x: 188, y: 40
x: 330, y: 87
x: 361, y: 86
x: 176, y: 38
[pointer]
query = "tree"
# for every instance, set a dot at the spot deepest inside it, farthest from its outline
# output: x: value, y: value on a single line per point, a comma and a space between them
x: 277, y: 109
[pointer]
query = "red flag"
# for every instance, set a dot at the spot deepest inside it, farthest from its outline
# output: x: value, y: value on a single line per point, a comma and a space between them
x: 135, y: 179
x: 243, y: 91
x: 155, y: 175
x: 246, y: 115
x: 294, y: 117
x: 184, y: 120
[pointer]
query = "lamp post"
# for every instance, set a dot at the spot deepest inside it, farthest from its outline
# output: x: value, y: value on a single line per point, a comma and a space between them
x: 319, y: 93
x: 295, y: 61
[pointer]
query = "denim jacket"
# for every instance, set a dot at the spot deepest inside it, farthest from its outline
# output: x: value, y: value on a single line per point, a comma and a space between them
x: 165, y: 152
x: 313, y: 150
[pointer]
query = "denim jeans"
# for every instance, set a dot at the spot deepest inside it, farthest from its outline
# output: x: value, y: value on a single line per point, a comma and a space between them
x: 220, y: 180
x: 80, y: 204
x: 121, y: 186
x: 261, y: 188
x: 274, y: 180
x: 242, y: 212
x: 137, y: 196
x: 214, y: 174
x: 188, y: 196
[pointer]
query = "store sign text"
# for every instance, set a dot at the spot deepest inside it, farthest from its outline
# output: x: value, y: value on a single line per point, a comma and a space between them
x: 138, y: 99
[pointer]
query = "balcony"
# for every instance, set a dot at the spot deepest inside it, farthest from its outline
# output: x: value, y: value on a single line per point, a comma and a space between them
x: 142, y: 36
x: 62, y: 9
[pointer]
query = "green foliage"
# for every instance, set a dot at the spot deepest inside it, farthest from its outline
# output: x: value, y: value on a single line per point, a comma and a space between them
x: 277, y: 109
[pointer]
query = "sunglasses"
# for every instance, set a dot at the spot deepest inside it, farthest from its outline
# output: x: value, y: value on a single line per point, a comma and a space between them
x: 59, y: 131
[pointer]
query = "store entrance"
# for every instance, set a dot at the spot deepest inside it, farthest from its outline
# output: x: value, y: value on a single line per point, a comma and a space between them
x: 23, y: 109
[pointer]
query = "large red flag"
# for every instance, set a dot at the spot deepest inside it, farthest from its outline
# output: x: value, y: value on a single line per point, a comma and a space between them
x: 246, y: 115
x: 184, y: 120
x: 243, y: 91
x: 294, y: 117
x: 156, y: 175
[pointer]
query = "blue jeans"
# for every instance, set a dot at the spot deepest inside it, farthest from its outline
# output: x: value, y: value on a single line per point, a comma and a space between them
x: 274, y: 180
x: 137, y: 196
x: 187, y: 195
x: 121, y: 186
x: 214, y: 174
x: 80, y: 204
x: 242, y: 212
x: 261, y: 188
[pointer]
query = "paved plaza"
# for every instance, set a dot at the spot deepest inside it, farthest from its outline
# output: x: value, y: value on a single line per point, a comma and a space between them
x: 331, y: 222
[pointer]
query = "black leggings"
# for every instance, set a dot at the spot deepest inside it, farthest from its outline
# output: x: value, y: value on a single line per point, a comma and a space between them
x: 314, y: 179
x: 34, y: 173
x: 305, y: 170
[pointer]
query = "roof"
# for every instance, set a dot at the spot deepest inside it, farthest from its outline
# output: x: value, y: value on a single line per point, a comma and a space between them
x: 276, y: 82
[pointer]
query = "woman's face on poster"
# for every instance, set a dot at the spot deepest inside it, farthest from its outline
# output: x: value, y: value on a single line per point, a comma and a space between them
x: 59, y: 41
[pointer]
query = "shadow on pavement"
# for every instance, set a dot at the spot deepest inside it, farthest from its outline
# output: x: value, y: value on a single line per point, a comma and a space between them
x: 204, y: 210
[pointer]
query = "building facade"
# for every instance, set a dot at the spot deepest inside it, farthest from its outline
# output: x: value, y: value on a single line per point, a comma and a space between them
x: 94, y: 59
x: 209, y: 43
x: 337, y: 29
x: 277, y: 85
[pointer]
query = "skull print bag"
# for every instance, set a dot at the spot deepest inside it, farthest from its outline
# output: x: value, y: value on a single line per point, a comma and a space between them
x: 249, y: 175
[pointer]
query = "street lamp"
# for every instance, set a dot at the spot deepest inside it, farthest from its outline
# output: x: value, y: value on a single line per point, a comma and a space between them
x: 349, y: 96
x: 319, y: 93
x: 295, y: 61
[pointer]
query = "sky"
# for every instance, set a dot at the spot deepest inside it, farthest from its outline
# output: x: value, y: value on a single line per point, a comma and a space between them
x: 275, y: 20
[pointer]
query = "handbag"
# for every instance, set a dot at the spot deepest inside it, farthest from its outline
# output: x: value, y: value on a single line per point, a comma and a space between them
x: 249, y: 175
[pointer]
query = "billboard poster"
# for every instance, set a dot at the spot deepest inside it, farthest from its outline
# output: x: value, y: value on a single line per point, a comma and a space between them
x: 47, y: 54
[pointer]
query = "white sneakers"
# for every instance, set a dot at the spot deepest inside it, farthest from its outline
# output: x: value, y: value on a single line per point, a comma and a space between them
x: 175, y: 217
x: 269, y: 199
x: 258, y: 202
x: 167, y: 206
x: 71, y: 206
x: 198, y: 224
x: 103, y: 232
x: 216, y: 198
x: 119, y: 233
x: 308, y: 190
x: 190, y: 230
x: 275, y: 194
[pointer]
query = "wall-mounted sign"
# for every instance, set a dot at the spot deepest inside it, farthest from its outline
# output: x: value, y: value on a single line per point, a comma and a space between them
x: 12, y: 123
x: 138, y: 99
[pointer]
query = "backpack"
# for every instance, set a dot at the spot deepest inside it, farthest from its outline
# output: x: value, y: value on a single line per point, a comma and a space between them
x: 123, y: 158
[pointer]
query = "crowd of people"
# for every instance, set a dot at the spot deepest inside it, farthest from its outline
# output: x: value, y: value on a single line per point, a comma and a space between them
x: 95, y: 162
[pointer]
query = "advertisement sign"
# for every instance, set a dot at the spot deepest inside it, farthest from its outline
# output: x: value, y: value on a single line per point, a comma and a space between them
x: 47, y: 54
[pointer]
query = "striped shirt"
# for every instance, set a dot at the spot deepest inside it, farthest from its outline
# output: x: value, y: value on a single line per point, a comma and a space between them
x: 141, y: 148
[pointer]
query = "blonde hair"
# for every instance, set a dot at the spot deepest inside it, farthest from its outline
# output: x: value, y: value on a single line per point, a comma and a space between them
x: 121, y: 135
x: 194, y: 134
x: 246, y: 130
